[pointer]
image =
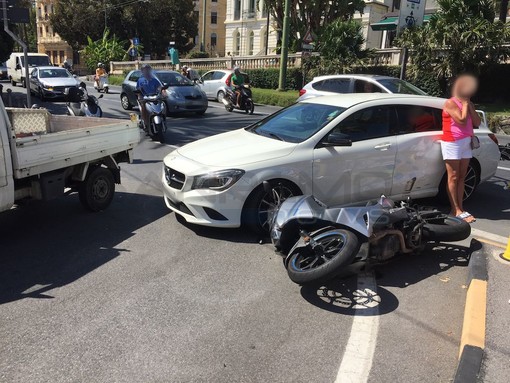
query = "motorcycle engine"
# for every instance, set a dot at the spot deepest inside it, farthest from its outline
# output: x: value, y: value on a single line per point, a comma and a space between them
x: 385, y: 248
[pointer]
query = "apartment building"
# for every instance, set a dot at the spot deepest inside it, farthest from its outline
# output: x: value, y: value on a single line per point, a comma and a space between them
x: 212, y: 38
x: 249, y: 29
x: 47, y: 40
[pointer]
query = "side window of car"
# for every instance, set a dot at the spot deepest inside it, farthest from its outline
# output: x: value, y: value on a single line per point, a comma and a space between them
x: 135, y: 76
x: 208, y: 76
x: 218, y: 75
x: 366, y: 124
x: 363, y: 86
x: 336, y: 85
x: 418, y: 119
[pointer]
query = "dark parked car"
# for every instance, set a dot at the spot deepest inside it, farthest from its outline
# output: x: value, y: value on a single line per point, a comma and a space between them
x: 183, y: 95
x: 3, y: 71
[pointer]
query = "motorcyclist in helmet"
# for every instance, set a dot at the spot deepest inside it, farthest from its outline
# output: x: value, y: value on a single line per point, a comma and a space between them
x: 184, y: 71
x: 100, y: 71
x: 237, y: 82
x: 147, y: 85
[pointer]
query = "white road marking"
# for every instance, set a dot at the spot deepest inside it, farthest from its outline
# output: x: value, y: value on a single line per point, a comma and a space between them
x: 502, y: 168
x: 489, y: 236
x: 359, y: 351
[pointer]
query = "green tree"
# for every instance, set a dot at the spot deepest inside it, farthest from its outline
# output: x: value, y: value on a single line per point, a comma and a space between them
x: 104, y: 50
x: 6, y: 46
x: 313, y: 14
x: 341, y: 46
x: 461, y: 36
x: 155, y: 23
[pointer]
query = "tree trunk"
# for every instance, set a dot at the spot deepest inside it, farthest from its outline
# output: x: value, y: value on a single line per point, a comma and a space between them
x: 503, y: 11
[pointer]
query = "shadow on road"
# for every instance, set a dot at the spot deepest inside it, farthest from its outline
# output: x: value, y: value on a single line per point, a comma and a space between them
x: 343, y: 296
x: 48, y: 245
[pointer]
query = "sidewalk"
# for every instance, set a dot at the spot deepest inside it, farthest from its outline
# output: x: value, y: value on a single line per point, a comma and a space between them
x: 496, y: 363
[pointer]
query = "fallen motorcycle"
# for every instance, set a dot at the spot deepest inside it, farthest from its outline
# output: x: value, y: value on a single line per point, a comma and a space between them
x: 318, y: 242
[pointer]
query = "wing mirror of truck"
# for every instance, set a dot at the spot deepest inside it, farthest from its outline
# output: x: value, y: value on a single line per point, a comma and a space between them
x: 336, y: 139
x: 18, y: 67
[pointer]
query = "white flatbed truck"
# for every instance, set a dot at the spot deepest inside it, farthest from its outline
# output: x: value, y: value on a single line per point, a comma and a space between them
x: 43, y: 156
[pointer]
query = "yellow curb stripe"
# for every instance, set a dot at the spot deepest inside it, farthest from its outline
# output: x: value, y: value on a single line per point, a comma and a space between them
x: 496, y: 244
x: 473, y: 328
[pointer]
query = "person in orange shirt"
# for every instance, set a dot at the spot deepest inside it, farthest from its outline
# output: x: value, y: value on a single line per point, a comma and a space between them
x: 100, y: 71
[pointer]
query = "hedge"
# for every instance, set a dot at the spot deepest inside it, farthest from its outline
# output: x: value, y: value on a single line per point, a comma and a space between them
x: 269, y: 78
x: 274, y: 97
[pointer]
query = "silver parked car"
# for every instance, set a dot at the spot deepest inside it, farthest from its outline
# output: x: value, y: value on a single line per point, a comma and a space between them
x: 51, y: 82
x: 183, y: 95
x: 215, y: 83
x: 356, y: 83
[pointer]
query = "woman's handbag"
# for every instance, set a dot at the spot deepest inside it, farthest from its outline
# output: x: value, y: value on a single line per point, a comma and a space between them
x: 475, y: 142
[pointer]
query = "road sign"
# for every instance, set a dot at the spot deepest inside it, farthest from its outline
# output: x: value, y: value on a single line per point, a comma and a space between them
x: 136, y: 41
x: 18, y: 15
x: 307, y: 47
x: 411, y: 14
x: 308, y: 37
x: 133, y: 52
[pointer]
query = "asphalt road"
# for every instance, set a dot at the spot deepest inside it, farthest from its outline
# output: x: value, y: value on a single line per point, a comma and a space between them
x: 132, y: 294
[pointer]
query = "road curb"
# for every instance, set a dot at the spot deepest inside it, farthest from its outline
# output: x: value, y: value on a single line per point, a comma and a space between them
x: 472, y: 341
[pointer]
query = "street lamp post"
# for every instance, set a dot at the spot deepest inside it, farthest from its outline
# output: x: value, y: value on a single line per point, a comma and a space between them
x: 285, y: 47
x: 204, y: 25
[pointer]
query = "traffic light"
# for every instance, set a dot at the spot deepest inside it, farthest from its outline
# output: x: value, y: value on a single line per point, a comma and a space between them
x: 15, y: 14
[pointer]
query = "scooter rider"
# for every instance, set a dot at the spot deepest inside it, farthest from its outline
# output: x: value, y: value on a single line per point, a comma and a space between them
x: 237, y: 82
x: 100, y: 71
x: 147, y: 85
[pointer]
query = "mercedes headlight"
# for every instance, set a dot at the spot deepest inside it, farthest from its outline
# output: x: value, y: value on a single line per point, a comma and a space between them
x: 221, y: 180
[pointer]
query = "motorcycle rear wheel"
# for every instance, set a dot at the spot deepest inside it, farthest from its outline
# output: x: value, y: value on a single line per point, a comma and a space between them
x: 336, y: 248
x: 446, y: 229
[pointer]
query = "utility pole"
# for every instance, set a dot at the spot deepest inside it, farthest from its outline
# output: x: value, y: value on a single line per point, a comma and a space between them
x: 204, y: 24
x: 25, y: 52
x: 285, y: 47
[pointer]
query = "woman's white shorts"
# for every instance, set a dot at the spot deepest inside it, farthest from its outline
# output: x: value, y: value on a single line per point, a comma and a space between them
x: 457, y: 150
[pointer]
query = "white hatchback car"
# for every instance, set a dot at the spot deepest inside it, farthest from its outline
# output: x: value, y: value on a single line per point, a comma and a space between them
x: 356, y: 83
x: 342, y: 149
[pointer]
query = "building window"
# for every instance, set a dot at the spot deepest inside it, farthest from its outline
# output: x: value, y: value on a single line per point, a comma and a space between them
x: 251, y: 8
x: 237, y: 42
x: 263, y: 39
x: 214, y: 40
x: 40, y: 32
x: 251, y: 42
x: 214, y: 17
x: 264, y: 9
x: 237, y: 9
x: 214, y: 1
x: 47, y: 30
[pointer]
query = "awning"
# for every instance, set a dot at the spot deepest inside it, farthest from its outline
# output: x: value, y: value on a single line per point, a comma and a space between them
x: 389, y: 23
x: 385, y: 24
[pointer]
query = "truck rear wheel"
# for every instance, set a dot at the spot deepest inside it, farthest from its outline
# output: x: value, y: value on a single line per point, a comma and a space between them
x: 96, y: 191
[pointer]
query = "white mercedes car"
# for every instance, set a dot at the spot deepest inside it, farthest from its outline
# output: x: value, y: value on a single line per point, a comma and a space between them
x: 343, y: 149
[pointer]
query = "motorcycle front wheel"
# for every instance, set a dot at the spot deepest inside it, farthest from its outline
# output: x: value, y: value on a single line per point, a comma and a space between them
x: 335, y: 249
x: 159, y: 134
x: 249, y: 107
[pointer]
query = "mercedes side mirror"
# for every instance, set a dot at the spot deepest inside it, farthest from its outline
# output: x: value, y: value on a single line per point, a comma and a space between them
x: 336, y: 139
